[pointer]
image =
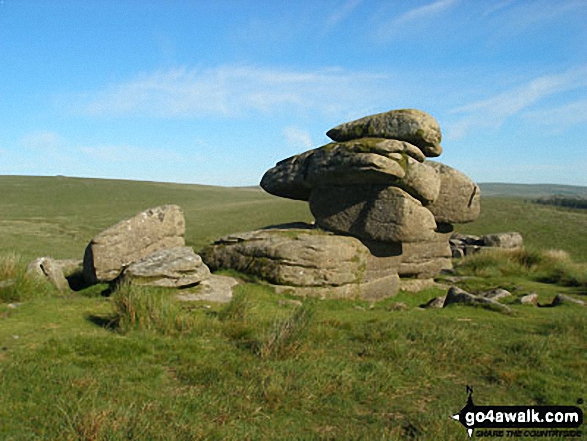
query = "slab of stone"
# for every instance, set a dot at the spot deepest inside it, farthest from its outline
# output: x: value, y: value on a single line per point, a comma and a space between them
x: 309, y: 261
x: 459, y: 198
x: 411, y: 125
x: 364, y: 161
x: 216, y: 289
x: 171, y: 267
x: 130, y: 240
x: 370, y: 212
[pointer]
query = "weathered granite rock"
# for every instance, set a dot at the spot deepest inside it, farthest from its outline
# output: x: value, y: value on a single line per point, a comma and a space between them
x: 434, y: 303
x: 370, y: 212
x: 50, y: 269
x: 171, y: 267
x: 411, y: 125
x: 216, y: 289
x: 130, y: 240
x: 459, y: 198
x: 364, y: 161
x: 496, y: 294
x: 529, y: 299
x: 309, y: 262
x: 458, y: 296
x: 425, y: 259
x: 503, y: 240
x: 562, y: 299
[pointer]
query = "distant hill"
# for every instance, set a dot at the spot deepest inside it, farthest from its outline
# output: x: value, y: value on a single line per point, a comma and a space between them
x: 530, y: 191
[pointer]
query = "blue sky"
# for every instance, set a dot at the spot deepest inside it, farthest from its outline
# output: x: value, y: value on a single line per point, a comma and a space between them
x: 216, y: 92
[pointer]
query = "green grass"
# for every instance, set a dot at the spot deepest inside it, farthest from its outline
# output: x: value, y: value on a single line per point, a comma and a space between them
x: 139, y: 365
x: 542, y: 227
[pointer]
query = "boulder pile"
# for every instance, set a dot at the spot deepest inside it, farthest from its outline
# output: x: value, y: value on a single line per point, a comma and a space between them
x: 383, y: 212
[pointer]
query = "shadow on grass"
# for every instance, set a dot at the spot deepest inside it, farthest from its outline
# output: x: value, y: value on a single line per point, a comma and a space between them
x: 107, y: 322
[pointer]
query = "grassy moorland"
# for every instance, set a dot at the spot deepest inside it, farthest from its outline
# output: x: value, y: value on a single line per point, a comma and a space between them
x: 137, y: 365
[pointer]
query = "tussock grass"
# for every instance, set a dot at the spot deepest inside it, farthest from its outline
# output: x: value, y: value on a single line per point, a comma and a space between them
x: 551, y: 266
x: 286, y: 336
x: 149, y: 309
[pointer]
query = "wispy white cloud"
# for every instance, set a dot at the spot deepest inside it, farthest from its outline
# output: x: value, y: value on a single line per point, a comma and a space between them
x: 229, y: 91
x: 560, y: 118
x: 341, y: 13
x: 492, y: 112
x: 495, y: 7
x: 297, y: 138
x: 423, y: 12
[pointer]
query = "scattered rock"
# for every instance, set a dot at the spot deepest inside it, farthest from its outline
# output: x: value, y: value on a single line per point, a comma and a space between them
x: 503, y: 240
x: 217, y: 289
x: 456, y: 295
x: 529, y: 299
x: 171, y: 267
x: 49, y: 269
x: 436, y: 302
x: 111, y: 251
x: 411, y: 125
x: 496, y: 294
x: 562, y: 299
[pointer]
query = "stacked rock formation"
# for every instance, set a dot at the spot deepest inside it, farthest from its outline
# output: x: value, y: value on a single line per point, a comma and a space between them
x: 379, y: 204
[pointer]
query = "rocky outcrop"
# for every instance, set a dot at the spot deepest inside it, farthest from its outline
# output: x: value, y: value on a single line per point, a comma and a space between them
x: 172, y: 267
x: 385, y: 211
x: 111, y: 251
x: 458, y: 296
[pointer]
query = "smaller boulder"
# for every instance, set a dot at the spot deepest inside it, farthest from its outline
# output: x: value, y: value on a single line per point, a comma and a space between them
x: 529, y: 299
x: 172, y: 267
x: 49, y: 269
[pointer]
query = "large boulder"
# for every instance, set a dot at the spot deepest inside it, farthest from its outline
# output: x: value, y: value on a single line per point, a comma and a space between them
x: 458, y: 200
x: 364, y: 161
x: 309, y: 261
x: 176, y: 267
x: 372, y: 212
x: 111, y: 251
x: 411, y: 125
